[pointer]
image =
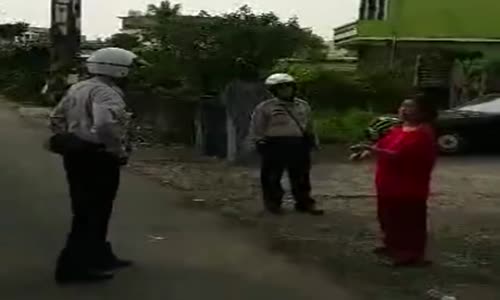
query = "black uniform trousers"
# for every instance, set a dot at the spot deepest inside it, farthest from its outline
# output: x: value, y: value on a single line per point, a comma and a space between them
x: 291, y: 154
x: 93, y: 179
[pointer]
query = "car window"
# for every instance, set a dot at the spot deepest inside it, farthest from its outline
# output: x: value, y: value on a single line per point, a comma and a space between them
x: 492, y: 106
x: 479, y: 100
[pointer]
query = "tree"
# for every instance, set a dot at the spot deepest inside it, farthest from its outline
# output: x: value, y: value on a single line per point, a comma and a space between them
x: 135, y: 13
x: 204, y: 14
x: 213, y: 50
x: 164, y: 10
x: 23, y: 70
x: 11, y: 30
x: 125, y: 41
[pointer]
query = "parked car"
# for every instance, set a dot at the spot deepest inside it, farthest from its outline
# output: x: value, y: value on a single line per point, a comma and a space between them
x: 474, y: 126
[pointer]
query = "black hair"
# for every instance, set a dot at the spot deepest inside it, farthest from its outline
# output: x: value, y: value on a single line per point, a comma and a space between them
x: 427, y: 109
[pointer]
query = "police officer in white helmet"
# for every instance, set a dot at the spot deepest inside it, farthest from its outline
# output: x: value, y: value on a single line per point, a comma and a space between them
x: 90, y: 126
x: 282, y: 130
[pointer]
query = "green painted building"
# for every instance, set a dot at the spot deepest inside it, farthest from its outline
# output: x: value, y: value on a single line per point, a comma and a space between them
x: 424, y: 20
x: 413, y: 33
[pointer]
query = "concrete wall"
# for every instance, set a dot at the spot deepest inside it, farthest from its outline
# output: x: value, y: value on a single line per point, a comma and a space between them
x: 171, y: 120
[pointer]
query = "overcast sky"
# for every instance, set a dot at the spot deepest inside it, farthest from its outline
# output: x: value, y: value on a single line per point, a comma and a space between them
x: 100, y: 16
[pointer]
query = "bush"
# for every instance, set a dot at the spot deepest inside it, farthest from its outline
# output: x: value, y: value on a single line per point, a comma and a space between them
x: 326, y: 88
x: 23, y: 72
x: 334, y: 90
x: 342, y: 127
x: 345, y: 103
x: 206, y: 52
x: 387, y: 89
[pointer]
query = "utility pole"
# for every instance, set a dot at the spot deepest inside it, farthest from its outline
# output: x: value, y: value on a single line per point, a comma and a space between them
x: 65, y: 36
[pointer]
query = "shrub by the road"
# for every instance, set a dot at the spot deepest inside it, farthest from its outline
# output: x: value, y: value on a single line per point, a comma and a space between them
x: 23, y: 71
x: 342, y: 127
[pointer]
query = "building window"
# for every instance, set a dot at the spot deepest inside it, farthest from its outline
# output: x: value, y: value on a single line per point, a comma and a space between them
x: 373, y: 9
x: 382, y: 11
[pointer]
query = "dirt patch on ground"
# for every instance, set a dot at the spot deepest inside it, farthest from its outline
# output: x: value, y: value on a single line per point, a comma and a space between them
x: 465, y: 233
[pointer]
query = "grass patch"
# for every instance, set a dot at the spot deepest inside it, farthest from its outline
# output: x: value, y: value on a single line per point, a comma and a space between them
x: 342, y: 127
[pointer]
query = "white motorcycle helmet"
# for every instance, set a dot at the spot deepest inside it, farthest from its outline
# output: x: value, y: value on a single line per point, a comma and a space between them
x: 111, y: 62
x: 279, y: 78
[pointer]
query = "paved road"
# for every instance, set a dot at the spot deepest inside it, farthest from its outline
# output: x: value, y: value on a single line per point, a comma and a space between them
x: 201, y: 258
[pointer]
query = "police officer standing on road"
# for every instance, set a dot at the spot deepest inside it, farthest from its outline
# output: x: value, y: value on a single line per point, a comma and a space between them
x: 90, y: 126
x: 282, y: 129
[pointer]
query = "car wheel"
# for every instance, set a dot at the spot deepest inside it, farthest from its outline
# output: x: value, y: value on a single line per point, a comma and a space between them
x: 450, y: 143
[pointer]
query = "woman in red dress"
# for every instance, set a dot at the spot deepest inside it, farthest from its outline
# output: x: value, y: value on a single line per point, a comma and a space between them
x: 405, y: 160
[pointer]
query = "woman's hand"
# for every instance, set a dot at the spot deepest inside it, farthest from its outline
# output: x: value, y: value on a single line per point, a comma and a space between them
x: 360, y: 151
x: 366, y: 154
x: 367, y: 147
x: 359, y: 156
x: 362, y: 147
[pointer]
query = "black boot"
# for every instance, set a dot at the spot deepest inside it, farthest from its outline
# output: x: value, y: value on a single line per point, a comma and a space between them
x: 109, y: 261
x: 71, y: 268
x: 274, y: 208
x: 309, y: 209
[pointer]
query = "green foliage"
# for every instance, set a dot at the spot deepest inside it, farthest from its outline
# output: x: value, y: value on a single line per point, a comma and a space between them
x: 22, y: 68
x: 125, y: 41
x: 11, y: 30
x: 342, y: 127
x: 325, y: 88
x: 23, y: 71
x: 205, y: 52
x: 345, y: 103
x: 387, y: 88
x: 493, y: 67
x: 164, y: 10
x: 331, y: 89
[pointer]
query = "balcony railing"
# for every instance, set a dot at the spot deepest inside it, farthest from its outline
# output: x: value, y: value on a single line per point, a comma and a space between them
x: 346, y: 32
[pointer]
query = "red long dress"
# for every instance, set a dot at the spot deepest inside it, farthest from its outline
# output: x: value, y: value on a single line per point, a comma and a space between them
x: 403, y: 176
